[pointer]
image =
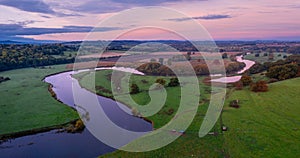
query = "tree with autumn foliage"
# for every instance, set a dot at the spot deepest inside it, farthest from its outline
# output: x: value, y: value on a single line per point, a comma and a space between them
x: 260, y: 86
x: 246, y: 80
x: 134, y: 89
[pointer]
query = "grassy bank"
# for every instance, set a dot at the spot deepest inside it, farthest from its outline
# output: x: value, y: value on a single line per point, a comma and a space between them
x: 26, y: 103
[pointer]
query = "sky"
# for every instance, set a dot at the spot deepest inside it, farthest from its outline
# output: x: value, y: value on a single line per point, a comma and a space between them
x: 73, y: 20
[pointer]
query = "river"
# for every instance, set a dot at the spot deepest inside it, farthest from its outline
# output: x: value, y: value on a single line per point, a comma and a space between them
x: 54, y: 144
x: 233, y: 79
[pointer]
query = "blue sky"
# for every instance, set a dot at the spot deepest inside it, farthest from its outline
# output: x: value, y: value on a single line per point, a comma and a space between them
x: 224, y: 19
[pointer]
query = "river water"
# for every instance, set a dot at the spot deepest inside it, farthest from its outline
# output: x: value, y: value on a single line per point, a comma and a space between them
x: 233, y: 79
x: 53, y: 144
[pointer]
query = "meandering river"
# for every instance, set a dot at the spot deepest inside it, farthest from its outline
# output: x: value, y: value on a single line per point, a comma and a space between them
x: 233, y: 79
x: 53, y: 144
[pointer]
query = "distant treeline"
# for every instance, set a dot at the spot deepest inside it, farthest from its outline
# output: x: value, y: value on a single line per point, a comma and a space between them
x: 20, y: 56
x: 157, y: 69
x: 280, y: 70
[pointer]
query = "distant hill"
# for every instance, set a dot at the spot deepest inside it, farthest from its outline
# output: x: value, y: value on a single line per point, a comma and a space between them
x: 28, y: 42
x: 10, y: 42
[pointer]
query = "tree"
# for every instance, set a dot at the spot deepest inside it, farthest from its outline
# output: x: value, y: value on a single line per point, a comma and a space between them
x: 260, y: 86
x: 256, y: 55
x: 201, y: 69
x: 257, y: 68
x: 283, y: 72
x: 265, y: 54
x: 161, y: 81
x: 246, y: 80
x: 134, y: 89
x: 174, y: 82
x: 224, y: 56
x: 233, y: 67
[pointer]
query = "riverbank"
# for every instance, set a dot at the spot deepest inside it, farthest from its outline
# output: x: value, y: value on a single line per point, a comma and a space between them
x: 60, y: 127
x: 26, y: 104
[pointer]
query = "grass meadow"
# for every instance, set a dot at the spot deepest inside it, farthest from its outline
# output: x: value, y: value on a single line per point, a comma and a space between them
x: 26, y: 103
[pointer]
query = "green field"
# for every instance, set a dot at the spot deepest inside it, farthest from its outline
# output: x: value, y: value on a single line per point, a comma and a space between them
x: 26, y: 104
x: 266, y: 124
x: 262, y: 59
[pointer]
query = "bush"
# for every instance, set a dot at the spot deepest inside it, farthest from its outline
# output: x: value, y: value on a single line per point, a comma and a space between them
x: 257, y: 55
x: 260, y: 86
x: 173, y: 82
x: 160, y: 81
x: 246, y: 80
x: 134, y: 89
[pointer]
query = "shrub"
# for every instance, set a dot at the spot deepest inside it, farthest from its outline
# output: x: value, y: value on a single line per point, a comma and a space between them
x: 160, y: 81
x: 173, y: 82
x: 260, y: 86
x: 134, y: 89
x: 246, y: 80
